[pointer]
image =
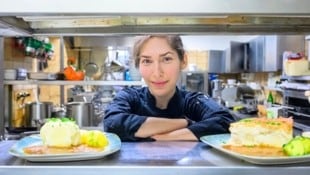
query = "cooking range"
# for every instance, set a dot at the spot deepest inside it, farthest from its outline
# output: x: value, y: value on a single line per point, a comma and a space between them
x: 297, y: 104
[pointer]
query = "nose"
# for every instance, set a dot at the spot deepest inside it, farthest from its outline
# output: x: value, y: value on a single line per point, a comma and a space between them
x: 157, y: 69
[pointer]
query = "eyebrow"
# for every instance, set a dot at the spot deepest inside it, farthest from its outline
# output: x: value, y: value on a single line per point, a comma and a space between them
x: 161, y: 55
x: 164, y: 54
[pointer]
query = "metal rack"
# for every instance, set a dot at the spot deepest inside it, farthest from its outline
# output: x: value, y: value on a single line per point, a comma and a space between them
x: 6, y: 86
x: 82, y: 83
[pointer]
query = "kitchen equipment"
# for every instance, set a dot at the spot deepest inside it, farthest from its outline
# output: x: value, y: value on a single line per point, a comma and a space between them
x: 240, y: 94
x: 273, y: 112
x: 112, y: 66
x: 91, y: 68
x: 36, y: 113
x: 81, y: 112
x: 217, y: 87
x: 59, y: 111
x: 265, y: 52
x: 21, y: 74
x: 231, y: 82
x: 42, y: 76
x: 10, y: 74
x: 196, y: 81
x: 231, y: 96
x: 134, y: 72
x: 216, y: 61
x: 84, y: 97
x: 296, y: 104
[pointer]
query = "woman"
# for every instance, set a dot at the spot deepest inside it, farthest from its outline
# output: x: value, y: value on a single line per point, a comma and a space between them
x: 162, y: 111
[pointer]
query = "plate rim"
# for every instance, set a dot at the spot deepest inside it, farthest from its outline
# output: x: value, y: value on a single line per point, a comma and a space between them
x: 253, y: 159
x: 110, y: 149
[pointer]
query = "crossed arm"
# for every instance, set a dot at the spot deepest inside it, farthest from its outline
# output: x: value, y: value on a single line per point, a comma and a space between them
x: 165, y: 129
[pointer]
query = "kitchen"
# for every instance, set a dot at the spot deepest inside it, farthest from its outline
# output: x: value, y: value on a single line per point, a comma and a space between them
x: 207, y: 161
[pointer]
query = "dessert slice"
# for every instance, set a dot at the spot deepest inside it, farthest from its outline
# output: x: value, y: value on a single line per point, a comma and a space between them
x: 262, y: 132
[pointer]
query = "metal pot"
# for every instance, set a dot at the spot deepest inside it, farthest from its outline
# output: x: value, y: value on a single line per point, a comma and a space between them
x: 36, y: 113
x: 59, y: 112
x: 81, y: 112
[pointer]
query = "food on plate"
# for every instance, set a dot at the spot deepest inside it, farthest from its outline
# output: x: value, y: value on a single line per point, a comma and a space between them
x: 298, y: 146
x: 306, y: 134
x: 58, y: 132
x: 94, y: 138
x: 63, y: 135
x: 262, y: 132
x: 43, y: 149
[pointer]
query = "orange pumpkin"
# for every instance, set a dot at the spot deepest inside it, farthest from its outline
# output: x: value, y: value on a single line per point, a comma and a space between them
x: 71, y: 74
x: 79, y: 75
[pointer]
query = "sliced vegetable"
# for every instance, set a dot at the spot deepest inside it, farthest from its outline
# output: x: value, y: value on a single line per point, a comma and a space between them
x: 298, y: 146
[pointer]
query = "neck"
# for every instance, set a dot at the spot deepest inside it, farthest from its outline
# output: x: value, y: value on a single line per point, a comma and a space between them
x: 162, y: 101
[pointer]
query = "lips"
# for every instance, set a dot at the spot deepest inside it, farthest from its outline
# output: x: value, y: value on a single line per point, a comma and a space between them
x: 159, y: 83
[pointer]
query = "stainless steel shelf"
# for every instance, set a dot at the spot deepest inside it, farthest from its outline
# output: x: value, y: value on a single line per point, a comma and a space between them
x: 60, y: 82
x: 298, y: 78
x: 273, y: 88
x: 295, y: 94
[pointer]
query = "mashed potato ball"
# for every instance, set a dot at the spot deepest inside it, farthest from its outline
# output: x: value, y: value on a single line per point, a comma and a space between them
x: 93, y: 138
x: 62, y: 132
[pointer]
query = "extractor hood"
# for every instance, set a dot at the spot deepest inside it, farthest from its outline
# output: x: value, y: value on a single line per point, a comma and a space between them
x: 123, y: 17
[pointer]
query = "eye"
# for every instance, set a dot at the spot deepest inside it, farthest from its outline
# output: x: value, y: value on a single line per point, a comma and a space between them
x: 167, y: 59
x: 146, y: 61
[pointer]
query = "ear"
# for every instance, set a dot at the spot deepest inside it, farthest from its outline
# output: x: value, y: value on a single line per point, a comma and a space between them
x: 184, y: 62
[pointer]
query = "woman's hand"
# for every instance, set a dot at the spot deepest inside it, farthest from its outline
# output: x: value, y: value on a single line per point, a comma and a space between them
x: 154, y: 125
x: 181, y: 134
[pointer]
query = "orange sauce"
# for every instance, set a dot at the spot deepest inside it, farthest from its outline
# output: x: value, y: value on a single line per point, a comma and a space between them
x: 41, y: 149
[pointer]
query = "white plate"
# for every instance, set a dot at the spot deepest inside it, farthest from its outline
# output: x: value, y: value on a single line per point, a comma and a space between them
x: 17, y: 150
x: 216, y: 141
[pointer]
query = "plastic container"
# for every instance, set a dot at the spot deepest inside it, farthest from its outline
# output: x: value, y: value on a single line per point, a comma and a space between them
x: 21, y: 74
x: 10, y: 74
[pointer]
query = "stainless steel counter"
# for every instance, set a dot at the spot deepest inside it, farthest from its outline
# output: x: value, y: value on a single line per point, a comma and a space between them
x: 148, y: 158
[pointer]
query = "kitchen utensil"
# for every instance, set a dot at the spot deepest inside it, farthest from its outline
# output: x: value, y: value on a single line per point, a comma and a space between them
x: 36, y: 113
x: 217, y: 87
x: 91, y: 68
x: 42, y: 76
x: 81, y: 112
x: 59, y: 112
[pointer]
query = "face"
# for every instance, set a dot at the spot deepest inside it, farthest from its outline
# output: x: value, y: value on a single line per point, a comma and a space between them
x: 160, y: 67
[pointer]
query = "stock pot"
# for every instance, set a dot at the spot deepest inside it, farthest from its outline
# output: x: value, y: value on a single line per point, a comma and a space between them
x: 81, y: 112
x: 36, y: 113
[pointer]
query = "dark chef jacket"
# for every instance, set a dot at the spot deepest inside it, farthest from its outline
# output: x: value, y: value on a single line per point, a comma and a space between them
x: 131, y: 106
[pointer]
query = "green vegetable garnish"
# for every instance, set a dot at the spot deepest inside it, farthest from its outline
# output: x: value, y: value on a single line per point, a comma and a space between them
x: 298, y: 146
x: 246, y: 120
x: 64, y: 119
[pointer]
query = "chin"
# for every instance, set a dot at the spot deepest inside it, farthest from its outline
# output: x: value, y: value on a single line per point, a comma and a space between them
x: 159, y: 93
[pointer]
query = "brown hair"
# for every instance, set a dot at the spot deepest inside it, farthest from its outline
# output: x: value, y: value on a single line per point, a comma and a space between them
x: 174, y: 41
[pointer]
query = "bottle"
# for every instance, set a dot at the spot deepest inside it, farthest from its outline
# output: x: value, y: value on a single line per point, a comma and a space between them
x: 270, y: 100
